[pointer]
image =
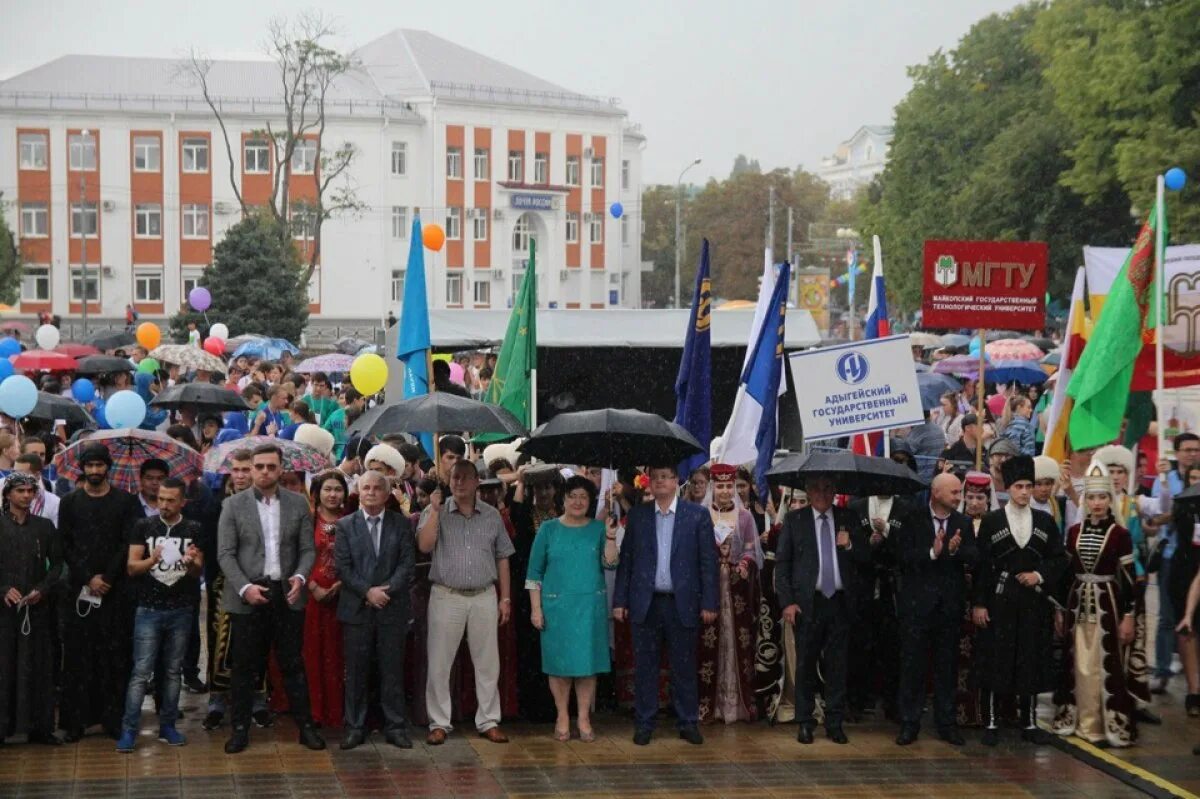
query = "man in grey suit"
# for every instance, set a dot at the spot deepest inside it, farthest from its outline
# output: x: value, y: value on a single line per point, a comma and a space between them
x: 375, y: 551
x: 266, y: 550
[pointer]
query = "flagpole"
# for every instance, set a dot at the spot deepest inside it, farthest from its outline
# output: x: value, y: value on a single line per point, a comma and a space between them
x: 878, y: 247
x: 429, y: 385
x: 533, y: 398
x: 1160, y: 213
x: 979, y: 401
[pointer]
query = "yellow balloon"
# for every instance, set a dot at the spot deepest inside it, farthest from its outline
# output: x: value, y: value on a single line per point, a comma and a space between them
x: 368, y: 374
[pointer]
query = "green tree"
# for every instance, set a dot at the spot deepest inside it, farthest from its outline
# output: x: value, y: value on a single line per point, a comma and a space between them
x: 658, y: 245
x: 254, y: 281
x: 743, y: 164
x: 10, y: 261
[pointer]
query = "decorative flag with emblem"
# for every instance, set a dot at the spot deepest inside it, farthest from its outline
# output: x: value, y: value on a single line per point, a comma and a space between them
x: 1060, y: 404
x: 512, y: 384
x: 412, y: 345
x: 693, y: 385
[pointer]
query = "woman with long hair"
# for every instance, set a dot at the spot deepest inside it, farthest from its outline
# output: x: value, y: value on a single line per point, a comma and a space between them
x: 322, y: 632
x: 948, y: 417
x: 1185, y: 565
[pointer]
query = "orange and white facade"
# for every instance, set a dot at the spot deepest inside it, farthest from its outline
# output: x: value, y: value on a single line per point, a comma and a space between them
x: 117, y: 163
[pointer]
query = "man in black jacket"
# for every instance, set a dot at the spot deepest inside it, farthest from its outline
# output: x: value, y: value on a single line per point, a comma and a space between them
x: 816, y: 562
x: 936, y: 546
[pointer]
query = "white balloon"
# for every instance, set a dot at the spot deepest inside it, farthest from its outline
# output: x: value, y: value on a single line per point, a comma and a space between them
x: 219, y: 330
x: 47, y: 337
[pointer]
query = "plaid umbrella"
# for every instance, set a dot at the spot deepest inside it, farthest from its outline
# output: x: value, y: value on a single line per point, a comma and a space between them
x: 330, y: 362
x: 1013, y: 349
x: 188, y: 357
x: 297, y: 457
x: 130, y: 449
x: 76, y: 350
x: 44, y: 361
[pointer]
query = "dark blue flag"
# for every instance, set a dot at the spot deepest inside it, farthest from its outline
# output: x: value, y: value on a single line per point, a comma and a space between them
x: 693, y: 386
x: 761, y: 378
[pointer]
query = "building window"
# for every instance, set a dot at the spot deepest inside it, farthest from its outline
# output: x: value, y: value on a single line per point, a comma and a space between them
x: 572, y: 226
x: 625, y: 230
x: 454, y: 288
x: 147, y: 221
x: 625, y: 175
x: 454, y: 163
x: 93, y: 283
x: 304, y: 157
x: 189, y: 278
x: 85, y: 220
x: 454, y: 224
x: 481, y: 163
x: 516, y: 166
x: 399, y: 222
x: 314, y: 287
x: 83, y: 152
x: 597, y: 172
x: 596, y: 228
x: 397, y: 285
x: 521, y: 232
x: 33, y: 150
x: 480, y: 224
x: 146, y: 154
x: 483, y: 293
x: 35, y: 220
x: 257, y: 160
x: 399, y: 158
x: 572, y: 170
x: 195, y: 221
x: 195, y: 155
x: 304, y: 223
x: 35, y: 284
x: 541, y: 168
x: 147, y: 285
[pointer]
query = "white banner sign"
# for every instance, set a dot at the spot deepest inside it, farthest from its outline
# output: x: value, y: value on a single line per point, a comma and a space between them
x: 856, y: 388
x: 1181, y: 322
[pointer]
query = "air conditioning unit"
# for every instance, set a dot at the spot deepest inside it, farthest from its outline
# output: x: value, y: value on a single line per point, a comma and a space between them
x: 108, y: 205
x: 497, y: 274
x: 588, y: 152
x: 614, y: 278
x: 563, y: 274
x: 555, y: 203
x: 498, y: 214
x: 222, y: 208
x: 107, y: 271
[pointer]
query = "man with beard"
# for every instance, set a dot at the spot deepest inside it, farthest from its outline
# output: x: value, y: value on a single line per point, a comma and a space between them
x: 30, y: 566
x: 97, y: 644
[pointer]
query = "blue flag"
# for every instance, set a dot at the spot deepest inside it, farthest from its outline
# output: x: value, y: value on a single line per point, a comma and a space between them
x: 412, y: 345
x: 760, y: 380
x: 693, y: 386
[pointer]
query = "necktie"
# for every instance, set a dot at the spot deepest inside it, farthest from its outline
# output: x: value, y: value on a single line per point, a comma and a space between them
x: 374, y: 524
x: 941, y: 525
x: 828, y: 585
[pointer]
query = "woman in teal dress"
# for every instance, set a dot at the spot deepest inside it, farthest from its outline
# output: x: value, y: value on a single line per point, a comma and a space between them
x: 569, y: 602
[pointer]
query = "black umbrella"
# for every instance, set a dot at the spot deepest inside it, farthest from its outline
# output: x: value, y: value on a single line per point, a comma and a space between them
x: 611, y: 437
x: 202, y: 396
x: 103, y: 364
x: 111, y: 339
x: 349, y: 345
x: 53, y: 407
x: 435, y: 413
x: 859, y: 475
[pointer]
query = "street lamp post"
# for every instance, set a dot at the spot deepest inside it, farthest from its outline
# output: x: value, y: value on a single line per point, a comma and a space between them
x: 83, y: 135
x: 678, y: 225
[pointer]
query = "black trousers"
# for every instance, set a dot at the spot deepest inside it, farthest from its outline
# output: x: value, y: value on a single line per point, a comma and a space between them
x: 191, y: 658
x: 253, y: 633
x: 929, y: 637
x: 873, y: 665
x: 97, y: 660
x: 823, y: 636
x: 364, y: 644
x: 26, y: 672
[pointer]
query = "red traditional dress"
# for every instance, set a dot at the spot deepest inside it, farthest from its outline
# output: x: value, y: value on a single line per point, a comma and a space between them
x: 323, y: 663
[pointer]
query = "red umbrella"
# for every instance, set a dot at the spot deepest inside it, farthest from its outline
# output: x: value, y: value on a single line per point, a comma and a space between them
x: 44, y: 361
x: 76, y: 350
x: 20, y: 327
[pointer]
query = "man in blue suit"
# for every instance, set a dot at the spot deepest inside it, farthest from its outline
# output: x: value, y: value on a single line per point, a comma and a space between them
x: 666, y: 586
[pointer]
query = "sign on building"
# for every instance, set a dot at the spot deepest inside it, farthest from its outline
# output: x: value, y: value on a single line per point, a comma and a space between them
x: 532, y: 202
x: 992, y: 284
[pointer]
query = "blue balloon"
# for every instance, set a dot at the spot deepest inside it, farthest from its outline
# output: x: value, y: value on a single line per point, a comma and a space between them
x: 616, y: 209
x: 124, y: 409
x: 18, y: 396
x: 1175, y: 178
x: 9, y: 346
x: 6, y: 368
x: 83, y: 390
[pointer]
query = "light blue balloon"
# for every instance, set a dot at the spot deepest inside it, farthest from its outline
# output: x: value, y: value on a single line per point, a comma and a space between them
x: 124, y: 409
x: 1175, y: 178
x: 83, y: 390
x: 616, y: 209
x: 9, y: 346
x: 18, y: 396
x: 6, y: 368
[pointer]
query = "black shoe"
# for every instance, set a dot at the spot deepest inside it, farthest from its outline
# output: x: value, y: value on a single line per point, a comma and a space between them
x: 1160, y: 685
x: 44, y: 738
x: 1035, y: 736
x: 836, y: 735
x: 352, y: 739
x: 310, y: 738
x: 990, y: 737
x: 952, y: 736
x: 237, y: 742
x: 805, y: 735
x: 642, y: 737
x: 1144, y: 716
x: 195, y: 685
x: 908, y: 735
x: 263, y: 718
x: 691, y: 735
x: 398, y: 739
x: 72, y: 736
x: 213, y: 720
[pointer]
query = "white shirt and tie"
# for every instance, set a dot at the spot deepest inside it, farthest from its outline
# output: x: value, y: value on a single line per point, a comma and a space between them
x: 374, y: 525
x: 268, y: 519
x: 826, y: 543
x: 939, y: 526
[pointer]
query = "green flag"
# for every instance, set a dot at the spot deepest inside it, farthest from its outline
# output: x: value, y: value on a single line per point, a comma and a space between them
x: 1101, y: 381
x: 511, y: 385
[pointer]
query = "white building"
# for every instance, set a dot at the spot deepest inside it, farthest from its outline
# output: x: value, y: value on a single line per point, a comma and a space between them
x: 857, y: 161
x: 495, y: 155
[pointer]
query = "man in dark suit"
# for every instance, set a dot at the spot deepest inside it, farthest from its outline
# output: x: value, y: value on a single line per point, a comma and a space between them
x: 266, y: 549
x: 817, y: 559
x: 666, y: 586
x: 375, y: 555
x: 937, y: 547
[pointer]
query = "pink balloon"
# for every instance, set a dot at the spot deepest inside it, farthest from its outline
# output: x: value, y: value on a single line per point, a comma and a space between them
x: 456, y: 374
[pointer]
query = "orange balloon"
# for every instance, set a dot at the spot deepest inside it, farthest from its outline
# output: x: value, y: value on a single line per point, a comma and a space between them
x: 148, y: 335
x: 434, y: 237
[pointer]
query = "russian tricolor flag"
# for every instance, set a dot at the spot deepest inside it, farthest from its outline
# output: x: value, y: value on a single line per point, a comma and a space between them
x: 877, y: 316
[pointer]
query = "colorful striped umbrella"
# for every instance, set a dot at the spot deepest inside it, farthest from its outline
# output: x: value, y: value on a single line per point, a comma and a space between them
x: 130, y: 449
x: 297, y: 457
x: 1013, y: 349
x: 329, y: 362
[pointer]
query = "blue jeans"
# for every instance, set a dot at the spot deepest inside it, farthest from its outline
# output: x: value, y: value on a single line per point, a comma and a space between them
x: 1164, y: 641
x: 154, y: 630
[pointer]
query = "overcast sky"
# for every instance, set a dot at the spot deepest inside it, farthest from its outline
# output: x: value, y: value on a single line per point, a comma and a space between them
x: 783, y: 81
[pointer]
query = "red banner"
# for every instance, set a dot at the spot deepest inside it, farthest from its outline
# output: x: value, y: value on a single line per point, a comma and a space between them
x: 992, y: 284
